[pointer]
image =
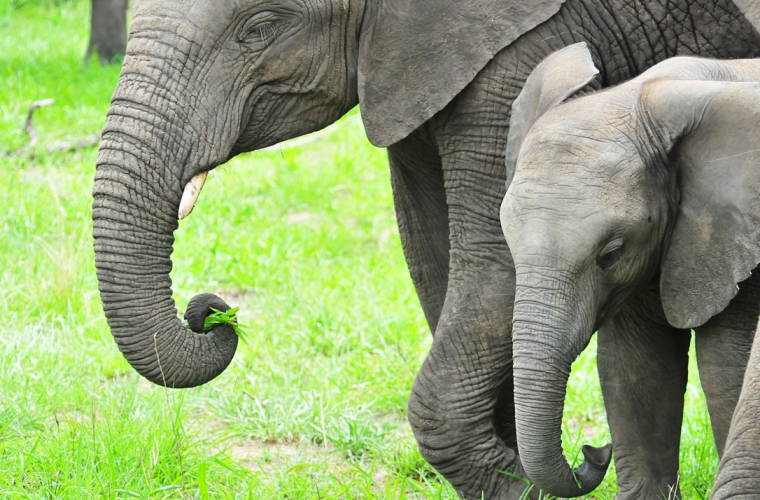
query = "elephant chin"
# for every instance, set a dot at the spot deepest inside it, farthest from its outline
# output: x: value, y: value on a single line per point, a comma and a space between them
x: 133, y: 227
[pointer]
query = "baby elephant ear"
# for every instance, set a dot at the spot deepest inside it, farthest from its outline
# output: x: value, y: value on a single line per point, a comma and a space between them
x: 556, y: 78
x: 711, y: 132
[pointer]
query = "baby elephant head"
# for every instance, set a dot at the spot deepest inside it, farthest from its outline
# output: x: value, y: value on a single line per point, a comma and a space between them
x: 659, y: 177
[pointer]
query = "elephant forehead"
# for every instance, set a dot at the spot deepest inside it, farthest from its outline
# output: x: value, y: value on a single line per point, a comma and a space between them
x: 588, y: 150
x: 197, y: 13
x: 577, y: 196
x: 602, y: 117
x: 213, y: 11
x: 534, y: 190
x: 580, y: 165
x: 558, y: 234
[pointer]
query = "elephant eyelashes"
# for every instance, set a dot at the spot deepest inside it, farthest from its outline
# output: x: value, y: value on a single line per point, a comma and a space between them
x: 610, y: 254
x: 258, y: 30
x: 262, y: 33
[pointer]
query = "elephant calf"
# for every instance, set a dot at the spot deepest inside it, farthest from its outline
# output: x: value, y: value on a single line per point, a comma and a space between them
x: 635, y: 211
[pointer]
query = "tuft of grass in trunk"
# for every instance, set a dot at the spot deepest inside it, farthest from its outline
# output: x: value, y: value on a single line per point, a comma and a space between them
x: 228, y: 317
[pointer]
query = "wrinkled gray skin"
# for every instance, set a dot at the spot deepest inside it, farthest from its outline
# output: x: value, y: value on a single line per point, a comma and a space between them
x: 205, y: 80
x: 635, y: 211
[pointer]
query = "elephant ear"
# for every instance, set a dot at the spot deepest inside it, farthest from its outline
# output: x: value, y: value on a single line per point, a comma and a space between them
x: 556, y: 78
x: 416, y: 55
x: 710, y: 131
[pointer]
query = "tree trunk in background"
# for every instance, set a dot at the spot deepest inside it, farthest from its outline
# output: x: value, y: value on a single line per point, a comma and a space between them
x: 108, y: 29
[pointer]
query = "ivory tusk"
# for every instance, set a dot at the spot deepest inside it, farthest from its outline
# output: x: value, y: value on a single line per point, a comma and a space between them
x: 191, y: 193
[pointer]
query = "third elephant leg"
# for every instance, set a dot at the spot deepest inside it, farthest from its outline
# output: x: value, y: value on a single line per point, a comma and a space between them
x: 461, y: 407
x: 447, y: 435
x: 723, y: 347
x: 643, y: 368
x: 453, y: 401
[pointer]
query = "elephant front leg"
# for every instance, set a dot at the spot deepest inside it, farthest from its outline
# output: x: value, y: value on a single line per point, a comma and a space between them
x: 643, y: 368
x: 739, y: 473
x: 461, y: 408
x: 454, y: 399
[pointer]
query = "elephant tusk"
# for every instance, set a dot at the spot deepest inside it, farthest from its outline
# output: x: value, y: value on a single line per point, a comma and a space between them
x: 191, y: 193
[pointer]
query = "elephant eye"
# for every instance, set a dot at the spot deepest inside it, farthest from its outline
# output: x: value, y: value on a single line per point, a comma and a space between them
x: 261, y: 33
x: 610, y: 254
x: 259, y: 29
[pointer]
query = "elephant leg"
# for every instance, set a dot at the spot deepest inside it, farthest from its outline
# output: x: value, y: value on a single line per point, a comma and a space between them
x: 739, y: 472
x: 454, y: 398
x: 643, y: 368
x: 422, y: 214
x: 462, y: 407
x: 723, y: 347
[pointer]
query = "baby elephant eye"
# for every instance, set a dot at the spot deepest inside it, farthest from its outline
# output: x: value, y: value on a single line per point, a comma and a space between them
x: 610, y: 254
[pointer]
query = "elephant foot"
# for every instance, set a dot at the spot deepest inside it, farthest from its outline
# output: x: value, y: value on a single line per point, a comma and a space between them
x: 467, y: 453
x: 475, y: 480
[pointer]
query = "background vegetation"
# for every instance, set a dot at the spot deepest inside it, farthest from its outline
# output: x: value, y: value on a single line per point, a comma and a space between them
x: 302, y: 237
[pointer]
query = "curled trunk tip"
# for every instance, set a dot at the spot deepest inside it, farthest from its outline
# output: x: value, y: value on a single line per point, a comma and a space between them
x: 597, y: 457
x: 582, y: 480
x: 591, y: 472
x: 215, y: 348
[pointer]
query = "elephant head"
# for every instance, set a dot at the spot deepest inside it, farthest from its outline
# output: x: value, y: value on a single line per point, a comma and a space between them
x: 610, y: 191
x: 205, y: 80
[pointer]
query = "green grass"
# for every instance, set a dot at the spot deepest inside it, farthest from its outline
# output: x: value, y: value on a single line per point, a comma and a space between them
x: 228, y: 317
x: 301, y: 237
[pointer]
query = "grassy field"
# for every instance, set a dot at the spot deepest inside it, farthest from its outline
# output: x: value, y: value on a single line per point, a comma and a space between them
x: 302, y: 237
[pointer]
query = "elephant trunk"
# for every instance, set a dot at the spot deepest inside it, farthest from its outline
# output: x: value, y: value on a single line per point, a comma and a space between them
x: 546, y: 342
x: 136, y: 197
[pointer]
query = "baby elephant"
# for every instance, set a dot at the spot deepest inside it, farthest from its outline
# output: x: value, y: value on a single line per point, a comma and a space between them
x: 635, y: 211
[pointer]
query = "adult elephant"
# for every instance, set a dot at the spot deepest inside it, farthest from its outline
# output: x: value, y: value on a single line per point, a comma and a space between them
x: 634, y: 212
x: 205, y: 80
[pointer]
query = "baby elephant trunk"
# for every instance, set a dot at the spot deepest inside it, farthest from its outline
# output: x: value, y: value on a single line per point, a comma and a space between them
x: 543, y: 355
